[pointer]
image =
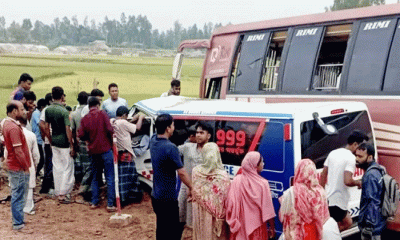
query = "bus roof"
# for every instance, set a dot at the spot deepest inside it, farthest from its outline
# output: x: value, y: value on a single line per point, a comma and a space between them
x: 327, y: 17
x: 224, y: 108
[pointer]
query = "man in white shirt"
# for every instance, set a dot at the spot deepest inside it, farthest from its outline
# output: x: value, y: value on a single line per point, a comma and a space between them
x: 337, y: 175
x: 114, y: 102
x: 35, y: 157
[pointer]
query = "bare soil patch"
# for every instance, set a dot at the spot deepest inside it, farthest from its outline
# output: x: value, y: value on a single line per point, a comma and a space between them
x: 77, y: 221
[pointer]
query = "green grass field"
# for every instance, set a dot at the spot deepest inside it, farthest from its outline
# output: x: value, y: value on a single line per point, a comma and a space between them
x: 138, y: 78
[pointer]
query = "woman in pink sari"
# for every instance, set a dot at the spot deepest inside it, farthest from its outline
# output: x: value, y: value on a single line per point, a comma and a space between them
x: 210, y: 188
x: 249, y: 203
x: 304, y: 208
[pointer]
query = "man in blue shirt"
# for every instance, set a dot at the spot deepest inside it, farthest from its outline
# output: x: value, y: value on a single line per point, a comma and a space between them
x: 371, y: 222
x: 166, y: 160
x: 114, y: 102
x: 35, y: 120
x: 24, y: 84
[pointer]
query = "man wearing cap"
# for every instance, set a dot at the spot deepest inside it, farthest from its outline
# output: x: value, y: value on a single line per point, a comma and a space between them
x: 57, y: 117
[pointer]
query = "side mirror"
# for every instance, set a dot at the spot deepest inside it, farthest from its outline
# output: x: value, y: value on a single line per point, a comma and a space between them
x: 177, y: 66
x: 327, y: 128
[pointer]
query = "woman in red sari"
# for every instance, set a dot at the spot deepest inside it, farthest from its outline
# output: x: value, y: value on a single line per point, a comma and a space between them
x: 304, y: 208
x: 249, y: 202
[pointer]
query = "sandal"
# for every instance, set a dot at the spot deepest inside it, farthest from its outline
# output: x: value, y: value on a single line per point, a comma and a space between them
x: 111, y: 209
x: 65, y: 200
x: 94, y: 206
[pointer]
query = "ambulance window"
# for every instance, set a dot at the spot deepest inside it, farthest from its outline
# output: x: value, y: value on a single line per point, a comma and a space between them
x: 316, y: 145
x: 146, y: 124
x: 181, y: 132
x: 234, y: 138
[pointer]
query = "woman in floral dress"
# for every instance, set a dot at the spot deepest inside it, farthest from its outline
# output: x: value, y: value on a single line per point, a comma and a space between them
x: 210, y: 188
x: 304, y: 208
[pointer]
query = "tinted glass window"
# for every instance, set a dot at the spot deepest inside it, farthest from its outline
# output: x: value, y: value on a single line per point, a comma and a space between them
x: 233, y: 137
x: 370, y: 55
x: 392, y: 83
x: 316, y: 145
x: 250, y: 66
x: 213, y: 88
x: 301, y: 59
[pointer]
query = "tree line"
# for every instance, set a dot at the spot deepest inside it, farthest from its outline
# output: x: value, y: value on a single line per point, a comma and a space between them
x: 347, y: 4
x: 129, y: 31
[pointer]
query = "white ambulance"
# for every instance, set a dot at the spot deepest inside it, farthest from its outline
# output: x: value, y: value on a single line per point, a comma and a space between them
x: 283, y: 133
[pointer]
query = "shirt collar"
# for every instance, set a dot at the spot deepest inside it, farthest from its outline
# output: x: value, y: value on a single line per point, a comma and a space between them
x: 59, y: 104
x: 13, y: 120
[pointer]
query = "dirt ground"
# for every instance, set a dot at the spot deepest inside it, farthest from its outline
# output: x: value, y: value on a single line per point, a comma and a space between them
x: 77, y: 221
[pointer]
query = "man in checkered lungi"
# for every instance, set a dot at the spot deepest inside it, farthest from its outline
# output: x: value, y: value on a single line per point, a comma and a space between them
x: 128, y: 178
x: 82, y: 163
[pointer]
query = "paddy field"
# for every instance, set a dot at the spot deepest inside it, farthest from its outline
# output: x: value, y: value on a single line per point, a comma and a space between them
x: 137, y: 77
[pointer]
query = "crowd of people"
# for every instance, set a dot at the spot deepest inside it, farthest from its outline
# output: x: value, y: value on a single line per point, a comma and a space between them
x: 67, y: 151
x: 70, y: 150
x: 210, y: 206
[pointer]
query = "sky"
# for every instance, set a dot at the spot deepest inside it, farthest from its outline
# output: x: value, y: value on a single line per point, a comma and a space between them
x: 162, y: 13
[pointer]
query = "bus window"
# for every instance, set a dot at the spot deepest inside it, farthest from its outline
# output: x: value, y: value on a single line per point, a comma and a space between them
x: 234, y: 72
x: 370, y: 54
x: 301, y: 59
x: 316, y: 145
x: 328, y: 71
x: 272, y: 61
x: 250, y: 65
x: 213, y: 88
x: 392, y: 83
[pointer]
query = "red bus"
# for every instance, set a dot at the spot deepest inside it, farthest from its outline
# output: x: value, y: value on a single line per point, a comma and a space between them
x: 349, y: 55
